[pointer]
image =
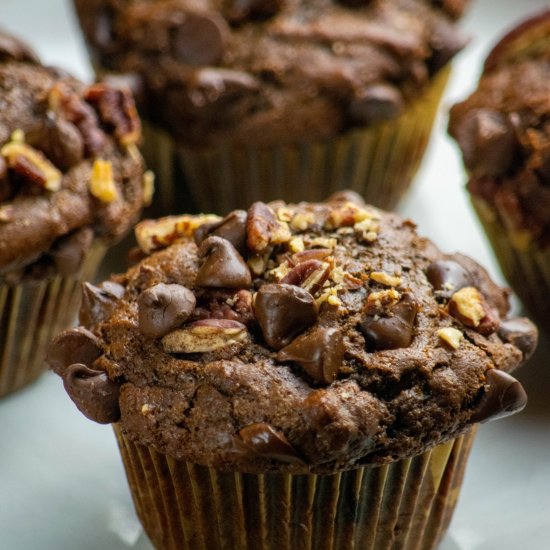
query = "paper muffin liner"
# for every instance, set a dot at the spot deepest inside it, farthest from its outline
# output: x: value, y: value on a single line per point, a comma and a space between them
x: 404, y: 505
x: 31, y: 313
x: 379, y: 162
x: 525, y: 265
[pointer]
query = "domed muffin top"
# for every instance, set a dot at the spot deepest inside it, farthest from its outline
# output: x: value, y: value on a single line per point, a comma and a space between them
x: 303, y: 338
x: 271, y: 71
x: 69, y: 167
x: 503, y: 130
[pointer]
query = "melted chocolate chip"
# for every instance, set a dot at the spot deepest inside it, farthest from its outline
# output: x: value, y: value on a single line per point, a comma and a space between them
x: 347, y: 196
x: 97, y: 304
x: 488, y: 142
x: 76, y: 345
x: 237, y: 11
x: 319, y: 352
x: 69, y: 251
x: 59, y: 140
x: 261, y: 439
x: 376, y: 104
x: 284, y: 311
x: 504, y: 396
x: 95, y: 395
x: 520, y: 332
x: 394, y: 331
x: 232, y: 228
x: 223, y: 266
x: 162, y: 308
x: 447, y: 276
x: 200, y: 39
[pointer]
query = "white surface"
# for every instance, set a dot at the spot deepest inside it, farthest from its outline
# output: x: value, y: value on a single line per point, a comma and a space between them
x: 62, y: 485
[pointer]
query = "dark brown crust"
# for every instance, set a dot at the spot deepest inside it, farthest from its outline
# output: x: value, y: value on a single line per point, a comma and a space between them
x: 271, y: 80
x: 38, y: 219
x: 383, y: 405
x: 510, y: 169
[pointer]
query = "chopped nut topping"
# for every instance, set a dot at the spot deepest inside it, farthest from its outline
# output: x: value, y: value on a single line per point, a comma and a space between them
x: 148, y: 187
x: 347, y: 214
x: 18, y: 136
x: 264, y: 229
x: 258, y: 263
x: 31, y: 164
x: 376, y: 301
x: 296, y: 244
x: 330, y: 296
x: 146, y: 409
x: 385, y: 279
x: 284, y: 214
x: 467, y: 306
x: 367, y: 229
x: 102, y: 183
x: 153, y: 235
x: 204, y: 336
x: 323, y: 242
x: 302, y: 220
x: 451, y: 336
x: 280, y: 271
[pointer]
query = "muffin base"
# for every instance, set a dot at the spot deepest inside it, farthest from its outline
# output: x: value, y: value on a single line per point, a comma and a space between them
x: 405, y: 505
x: 524, y: 265
x: 31, y: 313
x: 378, y: 162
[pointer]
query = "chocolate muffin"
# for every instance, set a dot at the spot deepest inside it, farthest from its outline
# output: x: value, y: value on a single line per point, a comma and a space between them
x: 248, y: 97
x: 294, y: 374
x: 71, y: 183
x: 503, y: 130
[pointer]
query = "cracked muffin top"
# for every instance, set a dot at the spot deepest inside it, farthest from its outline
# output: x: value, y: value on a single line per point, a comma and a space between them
x: 503, y: 130
x: 298, y: 338
x: 271, y: 71
x: 69, y: 167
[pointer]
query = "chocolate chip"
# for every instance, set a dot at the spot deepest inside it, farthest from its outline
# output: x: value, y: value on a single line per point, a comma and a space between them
x: 376, y: 104
x: 394, y: 331
x: 284, y: 311
x: 97, y: 304
x: 59, y: 140
x: 95, y: 395
x: 68, y: 252
x: 223, y: 266
x: 488, y: 142
x: 236, y: 11
x: 520, y: 332
x: 200, y: 39
x: 447, y: 276
x: 261, y: 439
x: 232, y: 228
x: 503, y: 396
x: 76, y: 345
x: 347, y: 196
x: 319, y: 352
x: 164, y: 307
x: 13, y: 48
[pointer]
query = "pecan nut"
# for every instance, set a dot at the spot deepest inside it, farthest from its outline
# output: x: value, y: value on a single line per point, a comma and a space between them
x: 205, y: 336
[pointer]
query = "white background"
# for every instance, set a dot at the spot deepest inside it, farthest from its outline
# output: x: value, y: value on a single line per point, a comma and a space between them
x: 61, y: 481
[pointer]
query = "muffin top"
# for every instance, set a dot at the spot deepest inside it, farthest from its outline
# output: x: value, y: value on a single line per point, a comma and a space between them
x: 300, y: 338
x: 503, y: 130
x: 271, y: 71
x: 69, y: 167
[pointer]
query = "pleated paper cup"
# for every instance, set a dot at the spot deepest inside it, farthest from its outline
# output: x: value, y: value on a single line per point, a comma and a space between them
x: 525, y: 265
x: 379, y: 162
x: 31, y: 313
x: 404, y: 505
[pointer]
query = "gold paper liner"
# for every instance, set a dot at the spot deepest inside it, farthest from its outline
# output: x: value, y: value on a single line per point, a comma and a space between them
x: 31, y: 314
x: 525, y: 265
x: 378, y: 162
x: 405, y: 505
